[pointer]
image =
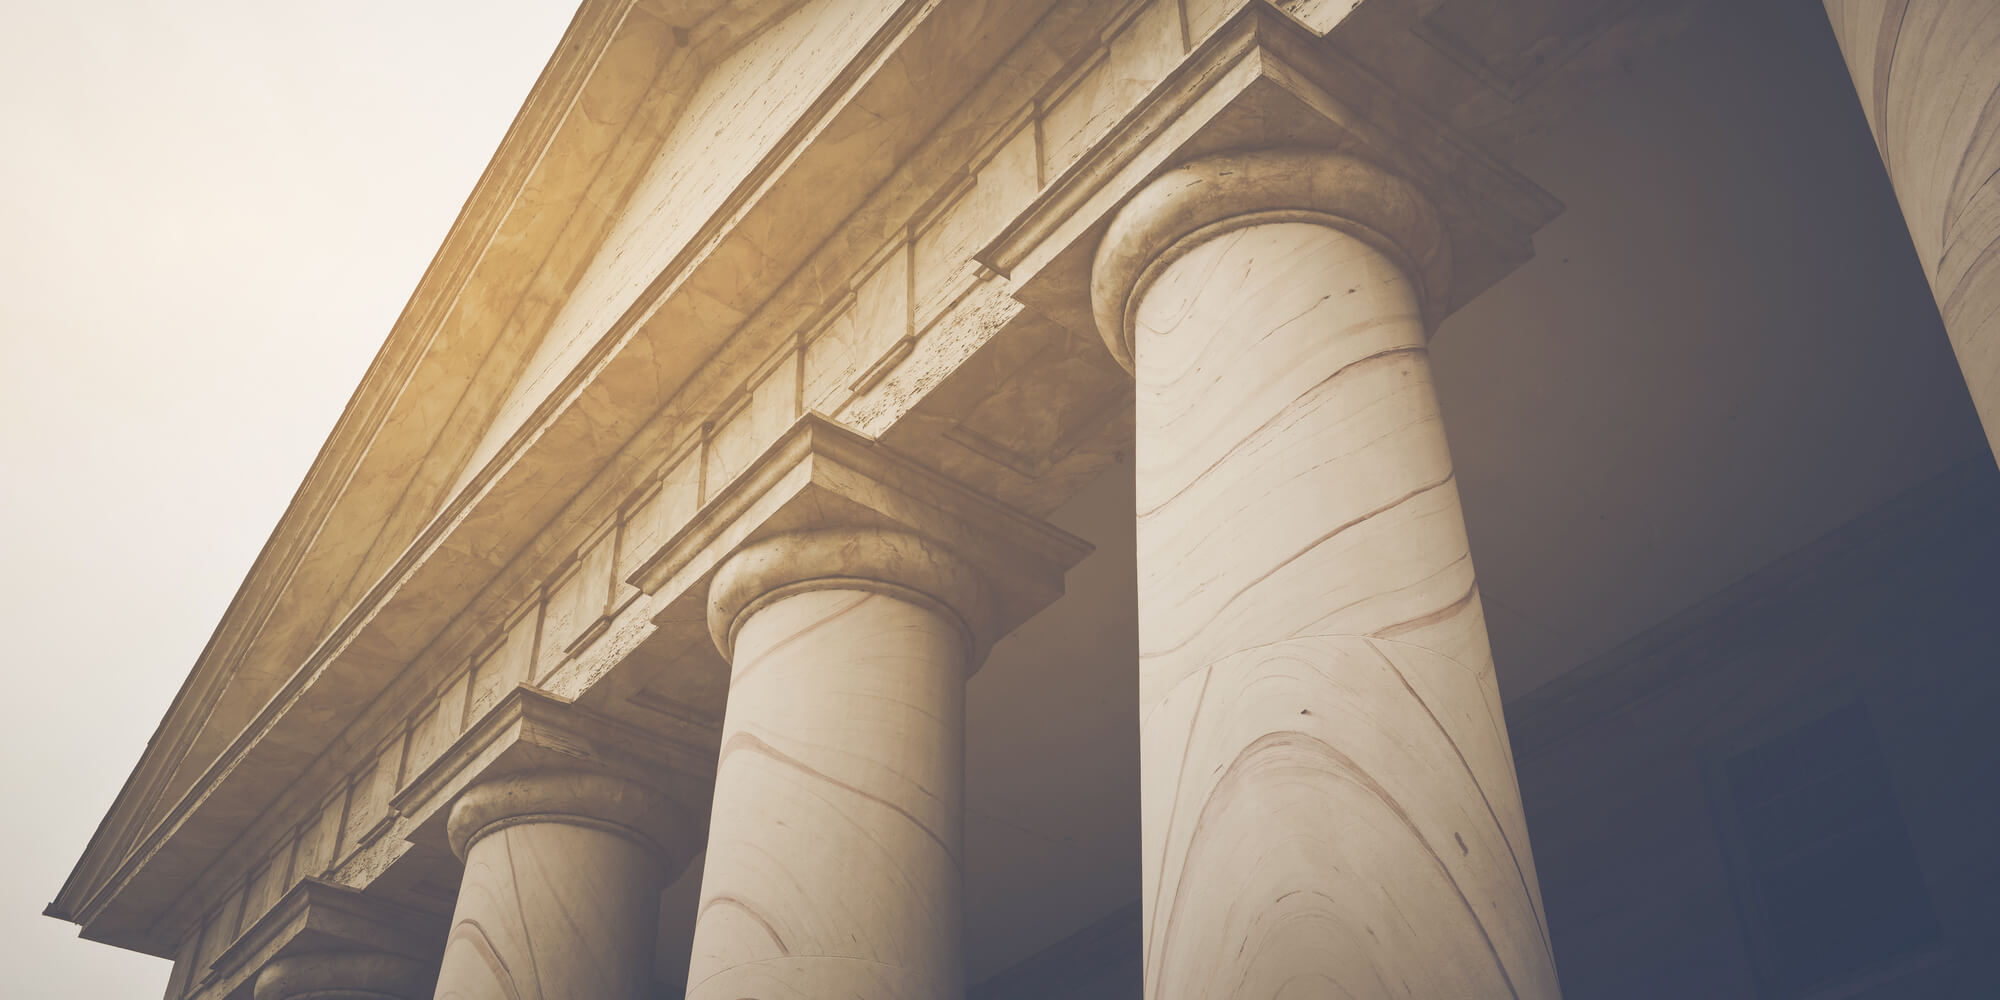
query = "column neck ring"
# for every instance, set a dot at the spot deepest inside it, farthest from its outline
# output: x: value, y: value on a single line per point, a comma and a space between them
x: 885, y: 561
x: 596, y: 801
x: 1197, y: 202
x: 861, y: 583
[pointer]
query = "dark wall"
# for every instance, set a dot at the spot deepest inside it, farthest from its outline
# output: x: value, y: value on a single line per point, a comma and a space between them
x: 1734, y: 353
x: 1625, y: 770
x: 1100, y: 962
x: 1624, y: 764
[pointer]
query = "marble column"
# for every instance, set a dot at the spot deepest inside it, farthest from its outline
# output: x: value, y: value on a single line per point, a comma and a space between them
x: 834, y: 848
x: 561, y: 892
x: 350, y: 975
x: 1329, y: 806
x: 1928, y: 74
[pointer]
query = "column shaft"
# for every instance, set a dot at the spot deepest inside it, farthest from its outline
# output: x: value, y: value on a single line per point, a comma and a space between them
x: 1329, y: 802
x: 1928, y: 74
x: 834, y: 847
x: 561, y: 892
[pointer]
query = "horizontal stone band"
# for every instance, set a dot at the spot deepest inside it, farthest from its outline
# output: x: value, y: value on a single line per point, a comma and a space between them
x: 895, y: 563
x: 581, y: 799
x: 346, y: 975
x: 1204, y: 196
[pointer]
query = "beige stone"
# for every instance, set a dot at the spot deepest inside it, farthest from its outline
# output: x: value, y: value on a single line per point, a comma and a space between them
x: 1329, y: 804
x: 561, y: 893
x: 1928, y: 74
x: 321, y: 937
x: 836, y: 843
x: 852, y: 594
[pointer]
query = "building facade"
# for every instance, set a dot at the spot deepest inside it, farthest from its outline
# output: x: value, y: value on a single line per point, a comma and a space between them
x: 929, y: 498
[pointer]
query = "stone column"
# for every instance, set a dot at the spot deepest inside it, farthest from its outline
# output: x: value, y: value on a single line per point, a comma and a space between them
x: 1928, y: 74
x: 561, y: 893
x: 834, y: 848
x: 1329, y: 804
x: 342, y: 976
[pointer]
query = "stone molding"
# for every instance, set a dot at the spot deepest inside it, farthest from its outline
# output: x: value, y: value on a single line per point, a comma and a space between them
x: 574, y: 798
x: 1206, y: 198
x: 896, y: 563
x: 1262, y: 81
x: 321, y: 918
x: 994, y: 566
x: 343, y: 976
x: 531, y: 733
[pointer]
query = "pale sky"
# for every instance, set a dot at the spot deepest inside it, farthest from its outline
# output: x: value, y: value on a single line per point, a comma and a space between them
x: 211, y: 212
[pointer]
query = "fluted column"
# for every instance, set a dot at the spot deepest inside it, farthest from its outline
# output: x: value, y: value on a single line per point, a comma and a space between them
x: 346, y: 975
x: 1329, y: 803
x: 561, y: 893
x: 834, y: 849
x: 1928, y: 74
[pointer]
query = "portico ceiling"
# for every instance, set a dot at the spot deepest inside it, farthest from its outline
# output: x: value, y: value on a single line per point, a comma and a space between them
x: 1722, y: 350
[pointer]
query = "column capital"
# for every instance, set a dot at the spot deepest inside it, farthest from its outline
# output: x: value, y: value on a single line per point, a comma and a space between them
x: 576, y: 798
x: 888, y: 561
x: 827, y: 507
x: 318, y: 925
x: 1208, y: 197
x: 351, y: 975
x: 561, y: 891
x: 1261, y: 81
x: 531, y: 732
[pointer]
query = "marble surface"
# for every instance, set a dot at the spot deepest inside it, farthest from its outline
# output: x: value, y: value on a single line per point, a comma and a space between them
x: 835, y: 846
x: 561, y: 892
x: 1164, y: 218
x: 1928, y: 75
x: 1328, y: 805
x: 895, y: 563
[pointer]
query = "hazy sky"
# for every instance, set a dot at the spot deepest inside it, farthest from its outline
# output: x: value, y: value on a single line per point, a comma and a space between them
x: 211, y: 211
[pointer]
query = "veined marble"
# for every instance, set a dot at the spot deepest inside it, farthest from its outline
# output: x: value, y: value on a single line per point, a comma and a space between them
x: 1928, y: 74
x: 837, y: 838
x: 1329, y: 805
x: 561, y: 893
